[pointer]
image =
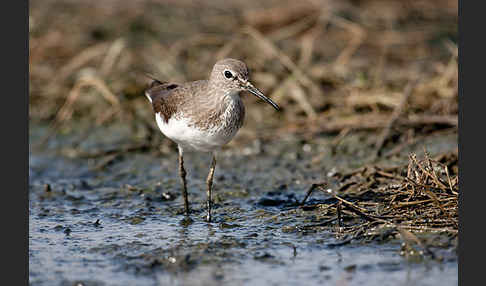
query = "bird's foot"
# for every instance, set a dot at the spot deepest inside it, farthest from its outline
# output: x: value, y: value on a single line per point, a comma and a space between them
x: 186, y: 221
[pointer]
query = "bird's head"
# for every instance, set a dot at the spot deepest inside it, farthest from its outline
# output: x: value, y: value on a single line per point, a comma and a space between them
x: 233, y: 75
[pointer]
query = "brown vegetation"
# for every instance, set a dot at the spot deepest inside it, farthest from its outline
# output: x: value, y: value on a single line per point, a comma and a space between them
x: 379, y: 203
x: 331, y: 65
x: 336, y: 67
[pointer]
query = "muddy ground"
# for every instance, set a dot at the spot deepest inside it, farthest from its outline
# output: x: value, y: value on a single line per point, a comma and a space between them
x: 353, y: 182
x: 122, y: 223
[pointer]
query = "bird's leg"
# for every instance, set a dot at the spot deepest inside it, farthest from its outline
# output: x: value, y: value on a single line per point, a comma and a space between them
x: 182, y: 173
x: 209, y: 182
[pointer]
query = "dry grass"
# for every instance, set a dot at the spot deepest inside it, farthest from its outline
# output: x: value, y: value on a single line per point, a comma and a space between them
x: 373, y: 203
x: 331, y: 65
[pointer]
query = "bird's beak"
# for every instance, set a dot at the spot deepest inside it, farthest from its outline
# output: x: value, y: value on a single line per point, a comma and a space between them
x: 249, y: 87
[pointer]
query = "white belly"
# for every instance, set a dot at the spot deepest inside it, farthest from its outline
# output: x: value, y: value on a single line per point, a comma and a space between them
x: 187, y: 136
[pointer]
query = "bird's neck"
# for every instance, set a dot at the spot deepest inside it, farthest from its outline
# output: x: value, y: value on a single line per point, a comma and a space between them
x: 234, y: 110
x: 233, y: 95
x: 227, y: 113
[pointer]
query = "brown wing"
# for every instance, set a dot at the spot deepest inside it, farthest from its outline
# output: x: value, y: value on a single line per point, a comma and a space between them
x: 159, y: 94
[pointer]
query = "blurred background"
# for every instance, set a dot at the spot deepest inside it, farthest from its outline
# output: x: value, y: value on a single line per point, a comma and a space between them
x: 365, y: 87
x: 333, y: 66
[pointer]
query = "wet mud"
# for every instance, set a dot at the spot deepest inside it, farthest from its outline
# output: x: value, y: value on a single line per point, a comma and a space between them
x: 121, y: 221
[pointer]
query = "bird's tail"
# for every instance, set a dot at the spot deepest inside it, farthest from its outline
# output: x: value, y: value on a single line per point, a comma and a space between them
x: 155, y: 82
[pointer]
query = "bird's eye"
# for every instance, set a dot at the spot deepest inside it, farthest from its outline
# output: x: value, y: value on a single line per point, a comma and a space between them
x: 228, y: 74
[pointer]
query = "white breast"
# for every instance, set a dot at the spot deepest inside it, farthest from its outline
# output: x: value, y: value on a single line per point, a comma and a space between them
x: 189, y: 136
x: 213, y: 137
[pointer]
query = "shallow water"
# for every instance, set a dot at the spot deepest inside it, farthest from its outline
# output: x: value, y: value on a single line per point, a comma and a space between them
x: 123, y: 224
